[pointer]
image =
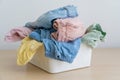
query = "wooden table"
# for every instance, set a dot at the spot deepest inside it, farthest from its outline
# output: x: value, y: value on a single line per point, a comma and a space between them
x: 105, y: 66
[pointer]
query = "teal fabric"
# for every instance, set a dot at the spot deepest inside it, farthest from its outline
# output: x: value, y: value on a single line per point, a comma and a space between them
x: 94, y: 35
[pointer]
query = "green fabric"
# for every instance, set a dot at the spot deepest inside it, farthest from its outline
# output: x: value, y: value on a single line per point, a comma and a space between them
x: 94, y: 35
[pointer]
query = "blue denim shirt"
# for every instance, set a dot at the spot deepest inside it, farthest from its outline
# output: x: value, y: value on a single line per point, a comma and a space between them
x: 45, y: 20
x: 63, y: 51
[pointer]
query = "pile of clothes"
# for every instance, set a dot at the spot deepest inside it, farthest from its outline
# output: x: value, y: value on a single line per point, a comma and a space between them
x: 60, y: 31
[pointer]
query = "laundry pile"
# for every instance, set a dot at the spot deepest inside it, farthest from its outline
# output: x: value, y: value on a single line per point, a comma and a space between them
x: 60, y: 31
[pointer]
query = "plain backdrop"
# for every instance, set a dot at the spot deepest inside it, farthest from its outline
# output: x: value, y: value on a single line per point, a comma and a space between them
x: 15, y: 13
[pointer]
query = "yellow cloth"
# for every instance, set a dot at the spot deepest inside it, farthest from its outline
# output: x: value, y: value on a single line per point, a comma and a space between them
x: 27, y: 50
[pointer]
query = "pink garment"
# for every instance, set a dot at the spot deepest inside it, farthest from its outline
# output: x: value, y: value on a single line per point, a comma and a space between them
x: 68, y: 29
x: 17, y: 34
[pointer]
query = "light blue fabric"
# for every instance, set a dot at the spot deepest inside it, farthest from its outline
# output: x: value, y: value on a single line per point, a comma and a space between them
x: 45, y: 20
x: 64, y: 51
x: 40, y: 34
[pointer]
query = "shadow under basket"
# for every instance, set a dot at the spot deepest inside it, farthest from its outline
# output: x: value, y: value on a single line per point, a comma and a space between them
x: 83, y: 59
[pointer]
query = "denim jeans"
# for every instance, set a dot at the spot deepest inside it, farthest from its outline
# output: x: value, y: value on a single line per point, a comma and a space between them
x: 46, y: 19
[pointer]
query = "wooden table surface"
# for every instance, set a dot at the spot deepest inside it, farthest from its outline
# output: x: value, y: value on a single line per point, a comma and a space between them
x: 105, y: 65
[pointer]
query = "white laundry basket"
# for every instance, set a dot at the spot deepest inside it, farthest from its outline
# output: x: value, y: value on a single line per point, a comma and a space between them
x: 83, y: 59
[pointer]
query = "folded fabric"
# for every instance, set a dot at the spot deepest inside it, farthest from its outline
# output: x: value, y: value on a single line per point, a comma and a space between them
x: 68, y: 29
x: 17, y: 34
x: 27, y: 50
x: 45, y: 20
x: 55, y: 49
x: 94, y: 34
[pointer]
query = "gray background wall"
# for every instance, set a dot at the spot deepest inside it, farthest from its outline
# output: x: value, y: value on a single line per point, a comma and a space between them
x: 15, y: 13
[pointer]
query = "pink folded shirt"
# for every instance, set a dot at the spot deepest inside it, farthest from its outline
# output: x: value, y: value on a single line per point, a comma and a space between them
x: 17, y: 34
x: 68, y: 29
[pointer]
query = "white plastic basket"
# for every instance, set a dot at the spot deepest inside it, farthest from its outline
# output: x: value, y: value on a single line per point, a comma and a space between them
x: 83, y: 59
